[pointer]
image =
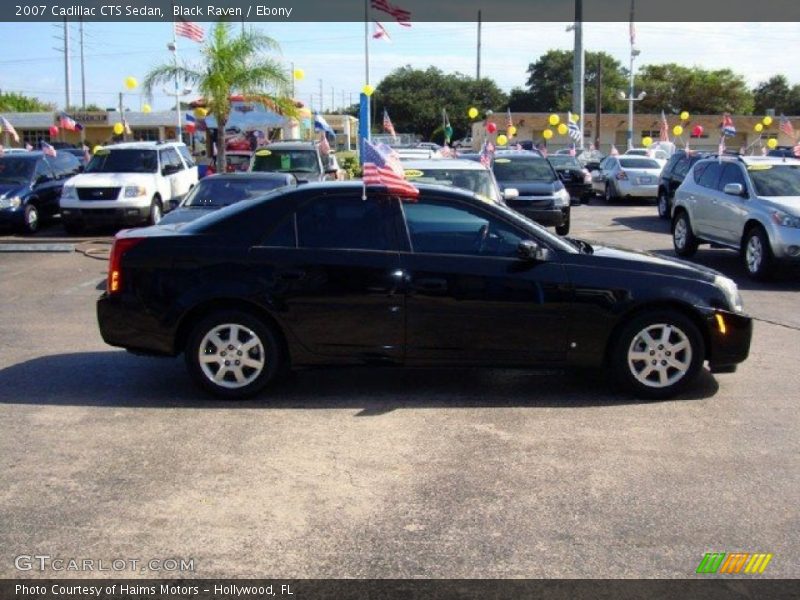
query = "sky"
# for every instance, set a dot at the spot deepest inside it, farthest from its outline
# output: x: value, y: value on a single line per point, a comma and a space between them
x: 31, y: 60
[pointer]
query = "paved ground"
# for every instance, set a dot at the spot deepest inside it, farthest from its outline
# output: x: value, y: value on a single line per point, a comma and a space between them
x: 382, y: 473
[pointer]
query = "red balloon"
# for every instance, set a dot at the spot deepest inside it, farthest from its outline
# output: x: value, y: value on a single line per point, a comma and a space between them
x: 190, y: 127
x: 491, y: 127
x: 697, y: 131
x: 53, y: 130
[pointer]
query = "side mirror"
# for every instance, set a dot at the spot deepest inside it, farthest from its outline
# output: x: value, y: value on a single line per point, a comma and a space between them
x: 510, y: 193
x: 532, y: 251
x: 734, y: 189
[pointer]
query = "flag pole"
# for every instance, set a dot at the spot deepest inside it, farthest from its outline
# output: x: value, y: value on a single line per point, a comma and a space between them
x: 178, y: 135
x: 366, y: 67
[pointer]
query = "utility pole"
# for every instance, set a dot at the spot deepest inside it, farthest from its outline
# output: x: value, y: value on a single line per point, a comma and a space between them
x: 478, y: 71
x: 321, y: 98
x: 333, y: 100
x: 122, y: 119
x: 83, y: 73
x: 634, y: 52
x: 578, y: 67
x: 598, y: 102
x: 67, y: 70
x: 293, y: 81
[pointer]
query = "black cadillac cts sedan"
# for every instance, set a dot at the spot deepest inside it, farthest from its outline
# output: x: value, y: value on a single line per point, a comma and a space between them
x: 315, y: 275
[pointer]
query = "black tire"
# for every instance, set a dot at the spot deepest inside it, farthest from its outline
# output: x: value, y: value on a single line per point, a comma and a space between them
x: 156, y: 211
x: 608, y: 194
x: 757, y: 253
x: 662, y: 202
x: 563, y: 229
x: 72, y: 227
x: 632, y: 373
x: 269, y: 353
x: 30, y: 219
x: 683, y: 239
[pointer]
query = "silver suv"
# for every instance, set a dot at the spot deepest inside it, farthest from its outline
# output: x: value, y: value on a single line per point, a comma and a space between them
x: 749, y: 204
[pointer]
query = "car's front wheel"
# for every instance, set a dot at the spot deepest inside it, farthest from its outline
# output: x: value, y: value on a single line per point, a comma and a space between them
x: 30, y: 219
x: 232, y: 354
x: 663, y: 205
x: 757, y: 253
x: 609, y: 194
x: 657, y: 354
x: 683, y: 238
x: 563, y: 229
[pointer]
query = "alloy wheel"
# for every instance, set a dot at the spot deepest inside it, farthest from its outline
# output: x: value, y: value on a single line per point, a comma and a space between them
x: 679, y: 235
x: 660, y: 355
x: 754, y: 254
x: 231, y: 355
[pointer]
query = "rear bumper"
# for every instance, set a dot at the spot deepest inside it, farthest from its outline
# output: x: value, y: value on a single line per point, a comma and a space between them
x: 545, y: 216
x: 579, y: 190
x: 628, y: 190
x: 125, y: 323
x: 729, y: 339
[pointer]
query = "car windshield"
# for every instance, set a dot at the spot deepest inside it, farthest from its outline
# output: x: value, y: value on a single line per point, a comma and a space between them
x: 523, y: 169
x: 637, y: 152
x: 287, y: 161
x: 775, y: 180
x: 638, y: 163
x: 564, y: 162
x: 16, y: 170
x: 478, y: 181
x: 109, y: 160
x: 224, y: 192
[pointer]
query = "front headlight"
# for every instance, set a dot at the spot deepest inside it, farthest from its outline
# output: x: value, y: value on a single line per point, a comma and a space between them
x: 134, y: 191
x: 731, y: 291
x: 561, y: 197
x: 10, y: 202
x: 785, y: 219
x: 68, y: 192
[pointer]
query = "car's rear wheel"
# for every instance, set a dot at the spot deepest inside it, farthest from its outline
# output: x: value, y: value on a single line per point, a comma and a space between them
x: 663, y: 205
x: 757, y: 253
x: 683, y: 238
x: 608, y: 195
x: 232, y: 354
x: 657, y: 354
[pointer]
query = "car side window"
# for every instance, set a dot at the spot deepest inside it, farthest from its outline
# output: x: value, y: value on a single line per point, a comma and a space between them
x: 441, y: 227
x: 43, y: 171
x: 187, y: 156
x: 681, y: 167
x: 174, y: 159
x: 710, y: 175
x: 347, y: 222
x: 731, y: 174
x: 284, y: 235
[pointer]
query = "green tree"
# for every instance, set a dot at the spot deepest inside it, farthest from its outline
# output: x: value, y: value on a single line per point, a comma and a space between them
x: 776, y: 93
x: 13, y: 102
x: 415, y: 99
x: 231, y: 65
x: 672, y: 87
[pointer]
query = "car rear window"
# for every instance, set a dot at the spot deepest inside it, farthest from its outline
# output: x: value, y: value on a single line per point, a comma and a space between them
x: 287, y: 161
x: 638, y: 163
x: 531, y: 168
x: 478, y: 181
x: 227, y: 191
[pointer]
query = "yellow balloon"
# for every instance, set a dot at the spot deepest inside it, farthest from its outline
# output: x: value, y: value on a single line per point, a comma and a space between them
x: 685, y: 116
x: 767, y: 121
x: 512, y: 131
x: 547, y: 134
x: 118, y: 128
x: 502, y: 140
x: 772, y: 143
x: 299, y: 74
x: 647, y: 141
x: 367, y: 90
x: 130, y: 82
x: 677, y: 130
x: 553, y: 120
x: 562, y: 129
x: 146, y: 108
x: 472, y: 112
x: 759, y: 127
x: 96, y: 149
x: 200, y: 112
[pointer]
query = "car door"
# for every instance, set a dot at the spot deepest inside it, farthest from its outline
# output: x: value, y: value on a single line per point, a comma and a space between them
x: 46, y: 186
x: 470, y: 299
x: 729, y: 212
x: 340, y: 290
x: 599, y: 177
x: 703, y: 199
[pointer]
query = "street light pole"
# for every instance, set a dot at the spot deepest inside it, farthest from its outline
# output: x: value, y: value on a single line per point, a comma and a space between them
x: 578, y: 67
x: 630, y: 102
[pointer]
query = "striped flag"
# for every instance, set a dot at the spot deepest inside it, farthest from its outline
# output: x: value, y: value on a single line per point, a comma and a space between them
x: 663, y: 133
x: 401, y: 15
x: 68, y: 123
x: 380, y: 168
x: 190, y: 30
x: 48, y: 150
x: 487, y: 153
x: 379, y: 33
x: 87, y: 154
x: 786, y: 126
x: 573, y: 130
x: 324, y: 146
x: 387, y: 125
x: 728, y: 129
x: 5, y: 125
x: 796, y: 150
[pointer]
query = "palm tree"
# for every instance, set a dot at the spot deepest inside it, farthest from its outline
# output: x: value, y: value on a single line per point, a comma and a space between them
x: 231, y: 65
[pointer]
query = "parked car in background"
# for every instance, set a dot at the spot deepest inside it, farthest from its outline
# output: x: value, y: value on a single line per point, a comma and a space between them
x: 218, y: 191
x: 78, y: 153
x: 430, y: 146
x: 787, y: 151
x: 128, y: 184
x: 238, y: 161
x: 30, y: 187
x: 465, y: 142
x: 626, y: 177
x: 316, y: 275
x: 575, y: 177
x: 658, y: 155
x: 455, y: 172
x: 591, y: 159
x: 532, y: 187
x: 413, y: 152
x: 745, y: 203
x: 301, y: 159
x: 672, y: 176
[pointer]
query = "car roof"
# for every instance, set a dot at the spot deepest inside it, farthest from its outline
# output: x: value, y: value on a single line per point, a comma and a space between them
x: 290, y: 146
x: 142, y: 145
x: 266, y: 175
x: 31, y: 154
x: 461, y: 164
x: 518, y: 154
x: 358, y: 186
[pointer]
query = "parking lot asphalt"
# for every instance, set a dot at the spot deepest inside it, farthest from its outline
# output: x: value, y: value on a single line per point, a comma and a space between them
x: 388, y: 473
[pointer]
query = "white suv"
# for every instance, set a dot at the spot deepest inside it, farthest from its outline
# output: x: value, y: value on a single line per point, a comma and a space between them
x: 128, y: 184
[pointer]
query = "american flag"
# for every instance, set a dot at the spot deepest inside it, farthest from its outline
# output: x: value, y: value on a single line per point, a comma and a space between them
x: 728, y: 128
x: 380, y: 168
x: 633, y: 31
x: 614, y: 151
x: 380, y: 33
x: 5, y: 125
x: 796, y: 150
x: 87, y: 155
x: 446, y: 152
x: 663, y: 133
x: 324, y: 146
x: 387, y: 124
x: 487, y: 152
x: 572, y: 151
x: 786, y: 126
x: 400, y: 14
x: 48, y: 149
x: 68, y: 123
x: 572, y: 126
x: 190, y: 30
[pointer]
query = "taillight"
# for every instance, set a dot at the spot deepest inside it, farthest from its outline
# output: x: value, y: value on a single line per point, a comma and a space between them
x: 622, y: 176
x: 118, y: 249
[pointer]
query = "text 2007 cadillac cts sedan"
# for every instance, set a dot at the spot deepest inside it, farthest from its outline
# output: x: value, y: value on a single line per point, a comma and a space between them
x: 317, y: 276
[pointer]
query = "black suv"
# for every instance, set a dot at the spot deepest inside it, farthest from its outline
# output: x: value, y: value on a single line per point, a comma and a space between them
x: 315, y: 275
x: 672, y: 177
x: 301, y: 159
